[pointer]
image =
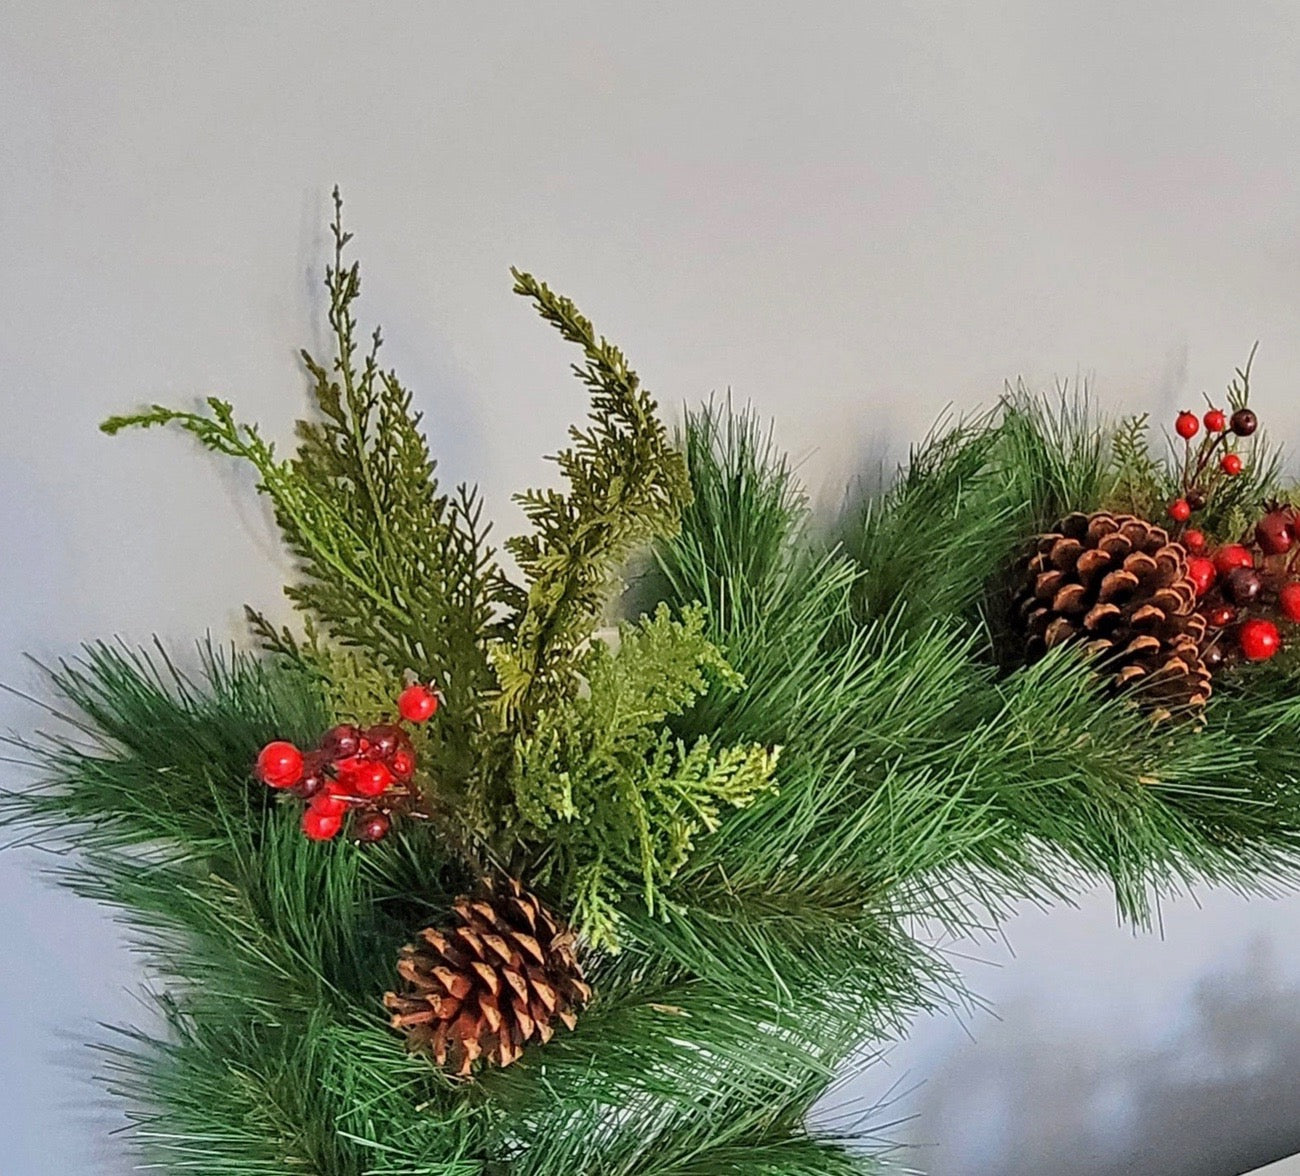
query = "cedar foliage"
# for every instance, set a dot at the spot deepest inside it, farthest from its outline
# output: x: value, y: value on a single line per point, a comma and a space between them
x: 761, y: 907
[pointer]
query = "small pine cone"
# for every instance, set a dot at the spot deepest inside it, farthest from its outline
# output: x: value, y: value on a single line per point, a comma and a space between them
x: 483, y: 988
x: 1117, y: 585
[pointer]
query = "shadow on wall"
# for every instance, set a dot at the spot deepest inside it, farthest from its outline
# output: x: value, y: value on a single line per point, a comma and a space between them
x: 1218, y: 1098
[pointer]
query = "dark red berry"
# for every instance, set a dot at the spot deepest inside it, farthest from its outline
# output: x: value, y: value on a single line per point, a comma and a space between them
x: 1232, y: 556
x: 385, y: 740
x: 372, y: 827
x: 1216, y: 420
x: 341, y: 741
x: 1244, y: 422
x: 320, y: 826
x: 1275, y: 532
x: 402, y: 763
x: 1259, y: 639
x: 1194, y: 540
x: 417, y: 704
x: 279, y: 764
x: 1221, y: 616
x: 311, y: 785
x: 1244, y: 585
x: 1201, y: 573
x: 1289, y: 600
x: 1213, y: 657
x: 1196, y: 499
x: 1187, y: 425
x: 1179, y: 510
x: 1232, y: 464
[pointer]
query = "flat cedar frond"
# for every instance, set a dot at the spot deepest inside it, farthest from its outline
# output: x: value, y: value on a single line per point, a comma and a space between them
x: 627, y: 486
x: 611, y: 796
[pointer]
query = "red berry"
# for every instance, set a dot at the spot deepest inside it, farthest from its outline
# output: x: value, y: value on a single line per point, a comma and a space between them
x: 417, y: 704
x: 1216, y: 420
x: 402, y: 764
x: 1289, y: 599
x: 279, y: 764
x: 1232, y: 464
x: 1187, y: 425
x: 1179, y: 510
x: 330, y: 803
x: 1194, y: 540
x: 345, y: 769
x: 1275, y: 532
x: 341, y: 741
x: 320, y: 826
x: 371, y: 779
x: 373, y: 827
x: 1222, y: 616
x: 1259, y: 639
x: 1232, y: 556
x: 1202, y: 574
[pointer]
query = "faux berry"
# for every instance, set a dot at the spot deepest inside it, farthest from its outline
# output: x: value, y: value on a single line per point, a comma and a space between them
x: 341, y: 741
x: 1244, y: 422
x: 1196, y: 499
x: 372, y: 827
x: 330, y: 803
x: 1259, y: 639
x: 1213, y: 657
x: 1187, y: 425
x: 1194, y: 540
x: 312, y: 784
x: 1216, y: 420
x: 1244, y: 585
x: 345, y: 769
x: 1232, y: 464
x: 1275, y: 532
x: 1179, y: 510
x: 1232, y: 556
x: 417, y: 704
x: 385, y: 740
x: 370, y: 779
x: 1201, y: 573
x: 1221, y: 616
x: 320, y: 826
x: 1289, y: 601
x: 402, y: 763
x: 279, y: 764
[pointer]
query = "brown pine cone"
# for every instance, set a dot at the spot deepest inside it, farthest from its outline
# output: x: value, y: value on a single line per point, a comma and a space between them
x: 1118, y: 586
x: 502, y: 976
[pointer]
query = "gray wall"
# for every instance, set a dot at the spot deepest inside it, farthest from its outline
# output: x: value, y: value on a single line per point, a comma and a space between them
x: 853, y: 215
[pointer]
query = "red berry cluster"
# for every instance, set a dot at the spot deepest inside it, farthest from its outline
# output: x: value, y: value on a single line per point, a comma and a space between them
x: 362, y: 773
x: 1246, y: 588
x: 1215, y: 458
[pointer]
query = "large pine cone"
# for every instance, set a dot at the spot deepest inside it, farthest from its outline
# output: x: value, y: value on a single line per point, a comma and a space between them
x: 1117, y: 585
x: 501, y: 977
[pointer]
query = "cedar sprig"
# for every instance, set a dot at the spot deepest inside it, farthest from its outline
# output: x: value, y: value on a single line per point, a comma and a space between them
x: 627, y: 485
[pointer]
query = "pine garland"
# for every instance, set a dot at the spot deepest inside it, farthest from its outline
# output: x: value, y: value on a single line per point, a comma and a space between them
x: 791, y: 748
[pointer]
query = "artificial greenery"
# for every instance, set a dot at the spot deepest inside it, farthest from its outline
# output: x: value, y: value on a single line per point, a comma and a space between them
x: 748, y: 918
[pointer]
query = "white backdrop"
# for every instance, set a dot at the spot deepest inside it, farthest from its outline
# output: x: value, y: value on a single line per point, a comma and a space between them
x: 852, y: 215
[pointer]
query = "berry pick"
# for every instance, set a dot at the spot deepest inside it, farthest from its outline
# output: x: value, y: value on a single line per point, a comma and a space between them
x: 361, y: 777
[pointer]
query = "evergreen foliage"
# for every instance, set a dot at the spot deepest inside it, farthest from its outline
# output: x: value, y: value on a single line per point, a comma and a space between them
x: 747, y: 919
